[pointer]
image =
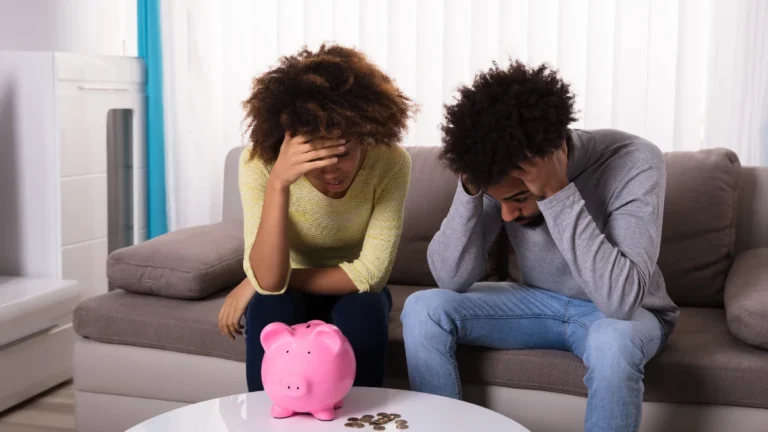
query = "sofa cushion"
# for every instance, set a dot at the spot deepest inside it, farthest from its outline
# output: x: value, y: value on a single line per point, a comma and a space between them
x: 188, y: 326
x: 746, y: 297
x: 429, y: 197
x: 699, y: 229
x: 189, y: 263
x: 702, y: 363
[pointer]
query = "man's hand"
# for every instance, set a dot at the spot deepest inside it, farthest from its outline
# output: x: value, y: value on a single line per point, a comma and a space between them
x: 545, y: 176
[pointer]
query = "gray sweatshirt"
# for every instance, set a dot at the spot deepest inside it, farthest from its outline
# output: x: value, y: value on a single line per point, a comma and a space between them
x: 601, y: 238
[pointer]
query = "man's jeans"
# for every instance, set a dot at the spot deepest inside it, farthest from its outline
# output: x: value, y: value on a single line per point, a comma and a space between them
x: 503, y: 315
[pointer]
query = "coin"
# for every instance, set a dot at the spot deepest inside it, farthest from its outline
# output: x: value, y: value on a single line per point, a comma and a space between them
x: 357, y: 425
x: 367, y: 417
x: 402, y: 426
x: 401, y: 422
x: 349, y: 425
x: 353, y: 419
x: 381, y: 414
x: 397, y: 416
x: 379, y: 427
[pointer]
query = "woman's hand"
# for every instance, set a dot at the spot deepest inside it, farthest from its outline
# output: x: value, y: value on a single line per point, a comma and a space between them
x: 299, y: 156
x: 233, y: 309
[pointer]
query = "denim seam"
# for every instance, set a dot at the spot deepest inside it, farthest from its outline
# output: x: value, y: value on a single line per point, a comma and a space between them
x: 642, y: 346
x: 494, y: 316
x: 455, y: 365
x: 565, y: 325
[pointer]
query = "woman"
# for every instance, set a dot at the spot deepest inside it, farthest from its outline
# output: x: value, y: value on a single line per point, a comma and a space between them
x: 322, y: 185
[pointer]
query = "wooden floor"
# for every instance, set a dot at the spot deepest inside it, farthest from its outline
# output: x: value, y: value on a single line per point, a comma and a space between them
x: 53, y: 411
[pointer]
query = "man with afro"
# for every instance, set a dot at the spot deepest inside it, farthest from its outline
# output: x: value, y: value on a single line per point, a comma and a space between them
x: 582, y: 210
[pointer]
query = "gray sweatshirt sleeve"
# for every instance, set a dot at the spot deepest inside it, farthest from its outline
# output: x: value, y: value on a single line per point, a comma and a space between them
x: 613, y: 267
x: 458, y: 252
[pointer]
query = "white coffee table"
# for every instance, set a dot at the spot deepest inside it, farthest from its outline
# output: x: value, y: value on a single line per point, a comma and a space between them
x: 250, y: 412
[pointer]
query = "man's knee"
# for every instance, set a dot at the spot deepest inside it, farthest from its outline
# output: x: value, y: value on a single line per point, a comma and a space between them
x: 613, y: 348
x: 429, y: 307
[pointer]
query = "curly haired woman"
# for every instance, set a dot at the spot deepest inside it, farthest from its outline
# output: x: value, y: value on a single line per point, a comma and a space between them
x: 323, y: 185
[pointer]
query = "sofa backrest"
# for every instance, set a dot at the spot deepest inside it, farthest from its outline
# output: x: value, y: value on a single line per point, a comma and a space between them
x: 714, y: 208
x: 232, y: 207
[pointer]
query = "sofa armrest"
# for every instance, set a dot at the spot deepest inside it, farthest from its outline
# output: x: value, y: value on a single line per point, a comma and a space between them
x: 746, y: 297
x: 189, y: 263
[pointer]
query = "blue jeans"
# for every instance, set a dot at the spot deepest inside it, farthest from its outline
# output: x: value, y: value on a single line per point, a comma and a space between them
x: 504, y: 315
x: 363, y: 319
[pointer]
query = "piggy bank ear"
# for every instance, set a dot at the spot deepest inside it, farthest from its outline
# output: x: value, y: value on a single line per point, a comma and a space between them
x: 330, y: 335
x: 274, y: 333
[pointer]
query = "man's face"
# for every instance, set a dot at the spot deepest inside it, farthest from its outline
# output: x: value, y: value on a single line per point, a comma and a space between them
x: 518, y: 204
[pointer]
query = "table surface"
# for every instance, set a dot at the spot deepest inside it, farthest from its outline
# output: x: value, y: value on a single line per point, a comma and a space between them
x: 251, y: 412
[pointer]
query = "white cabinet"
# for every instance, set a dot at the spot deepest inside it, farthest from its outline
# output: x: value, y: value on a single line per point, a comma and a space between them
x: 72, y: 164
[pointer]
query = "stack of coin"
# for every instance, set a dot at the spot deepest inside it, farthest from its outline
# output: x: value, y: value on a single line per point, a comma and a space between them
x: 379, y: 422
x: 354, y: 422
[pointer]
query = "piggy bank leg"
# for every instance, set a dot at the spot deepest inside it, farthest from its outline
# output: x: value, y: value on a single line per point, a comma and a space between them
x: 279, y: 412
x: 339, y: 404
x: 324, y: 414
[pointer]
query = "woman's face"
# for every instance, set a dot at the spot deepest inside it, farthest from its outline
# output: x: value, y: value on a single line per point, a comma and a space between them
x: 334, y: 180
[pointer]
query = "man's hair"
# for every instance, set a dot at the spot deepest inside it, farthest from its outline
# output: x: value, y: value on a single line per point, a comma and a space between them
x: 505, y: 117
x: 329, y: 92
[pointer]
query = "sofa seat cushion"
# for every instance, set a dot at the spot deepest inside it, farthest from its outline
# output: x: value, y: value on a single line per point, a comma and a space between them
x: 702, y: 362
x: 187, y: 326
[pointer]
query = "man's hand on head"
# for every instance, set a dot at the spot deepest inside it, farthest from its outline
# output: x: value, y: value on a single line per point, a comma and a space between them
x: 545, y: 176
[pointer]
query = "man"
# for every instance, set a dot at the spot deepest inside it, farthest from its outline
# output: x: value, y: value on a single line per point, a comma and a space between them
x: 583, y: 211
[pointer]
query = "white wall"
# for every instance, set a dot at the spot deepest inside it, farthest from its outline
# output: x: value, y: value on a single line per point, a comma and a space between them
x: 105, y: 27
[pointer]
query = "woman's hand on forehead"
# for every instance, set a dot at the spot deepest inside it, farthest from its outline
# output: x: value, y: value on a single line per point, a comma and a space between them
x: 323, y: 142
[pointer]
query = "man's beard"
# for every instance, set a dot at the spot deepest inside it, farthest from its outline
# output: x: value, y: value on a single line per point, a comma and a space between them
x: 532, y: 223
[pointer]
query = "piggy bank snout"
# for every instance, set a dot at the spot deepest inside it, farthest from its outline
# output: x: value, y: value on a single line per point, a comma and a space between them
x: 294, y: 386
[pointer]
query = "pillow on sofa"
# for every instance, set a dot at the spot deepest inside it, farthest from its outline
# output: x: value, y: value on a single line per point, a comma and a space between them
x: 746, y: 297
x: 189, y: 263
x: 697, y: 243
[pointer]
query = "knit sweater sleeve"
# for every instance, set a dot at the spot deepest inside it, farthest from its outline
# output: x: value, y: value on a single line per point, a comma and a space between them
x: 252, y: 179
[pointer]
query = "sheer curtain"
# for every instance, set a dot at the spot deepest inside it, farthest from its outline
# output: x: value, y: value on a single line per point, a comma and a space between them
x: 686, y: 74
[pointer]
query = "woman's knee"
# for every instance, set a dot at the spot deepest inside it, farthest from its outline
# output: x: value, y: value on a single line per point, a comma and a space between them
x: 266, y: 309
x: 363, y: 318
x: 368, y: 307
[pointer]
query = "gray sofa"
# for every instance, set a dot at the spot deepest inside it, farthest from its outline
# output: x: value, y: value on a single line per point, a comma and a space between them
x: 152, y: 343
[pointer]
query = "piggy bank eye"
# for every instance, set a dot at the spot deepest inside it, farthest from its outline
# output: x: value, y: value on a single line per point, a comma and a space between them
x: 309, y: 352
x: 286, y: 351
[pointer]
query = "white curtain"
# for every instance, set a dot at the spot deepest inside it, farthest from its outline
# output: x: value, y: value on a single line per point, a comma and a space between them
x: 686, y: 74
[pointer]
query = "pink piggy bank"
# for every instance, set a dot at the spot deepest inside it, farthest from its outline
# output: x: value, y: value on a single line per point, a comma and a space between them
x: 307, y: 368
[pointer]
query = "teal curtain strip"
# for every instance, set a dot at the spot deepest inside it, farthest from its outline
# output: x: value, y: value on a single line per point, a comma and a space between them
x: 150, y: 50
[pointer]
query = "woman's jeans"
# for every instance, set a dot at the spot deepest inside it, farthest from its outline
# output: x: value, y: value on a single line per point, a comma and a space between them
x: 361, y: 317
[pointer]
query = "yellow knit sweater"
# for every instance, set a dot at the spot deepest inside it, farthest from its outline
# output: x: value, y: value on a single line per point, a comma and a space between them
x: 359, y: 232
